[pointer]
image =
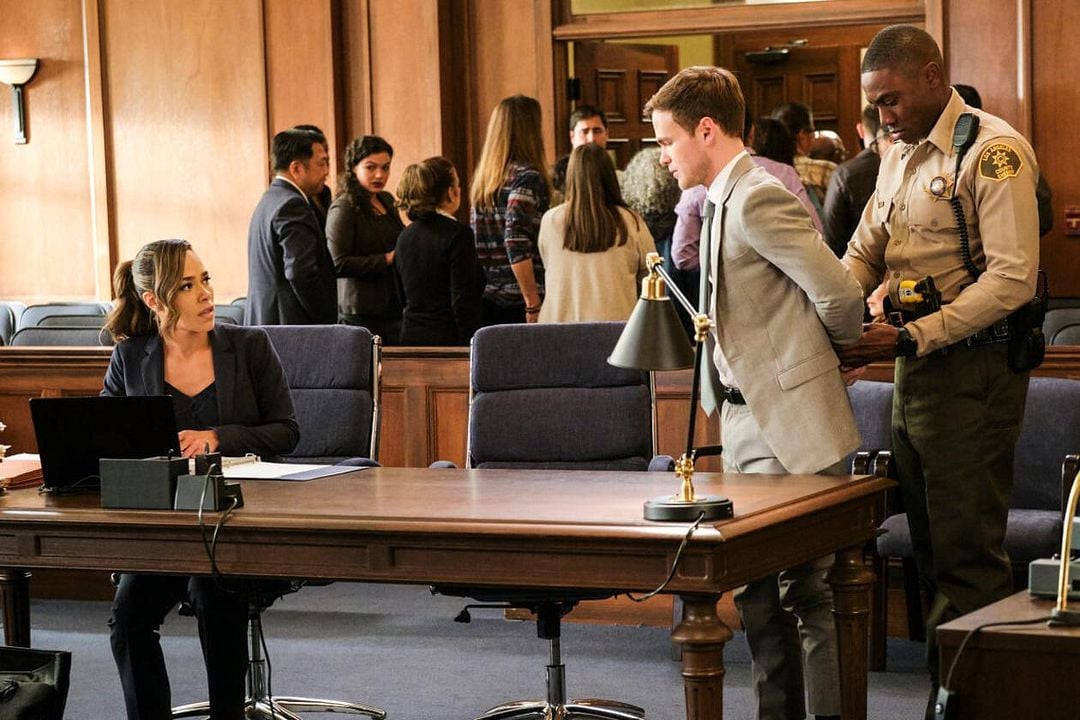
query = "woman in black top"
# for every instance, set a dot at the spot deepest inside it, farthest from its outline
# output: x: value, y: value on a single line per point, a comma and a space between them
x: 436, y: 259
x: 362, y: 228
x: 229, y: 395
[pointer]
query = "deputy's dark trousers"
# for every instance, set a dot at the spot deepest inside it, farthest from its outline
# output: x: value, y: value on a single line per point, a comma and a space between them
x: 956, y: 418
x: 139, y: 608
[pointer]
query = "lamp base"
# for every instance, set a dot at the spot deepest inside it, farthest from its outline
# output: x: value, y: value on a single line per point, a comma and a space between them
x: 667, y: 508
x: 1064, y: 618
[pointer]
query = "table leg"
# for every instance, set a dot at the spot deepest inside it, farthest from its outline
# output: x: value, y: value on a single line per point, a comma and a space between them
x: 15, y: 595
x: 702, y: 635
x: 851, y: 580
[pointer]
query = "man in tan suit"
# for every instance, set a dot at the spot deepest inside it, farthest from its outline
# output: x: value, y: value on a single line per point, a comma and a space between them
x: 780, y: 300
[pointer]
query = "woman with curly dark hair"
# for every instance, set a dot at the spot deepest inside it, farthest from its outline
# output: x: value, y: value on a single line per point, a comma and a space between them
x: 362, y: 228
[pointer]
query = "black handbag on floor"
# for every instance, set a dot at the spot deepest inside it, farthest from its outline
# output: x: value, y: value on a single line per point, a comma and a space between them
x: 33, y: 683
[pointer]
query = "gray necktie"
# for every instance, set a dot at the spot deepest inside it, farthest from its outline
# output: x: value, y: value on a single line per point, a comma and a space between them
x: 710, y: 382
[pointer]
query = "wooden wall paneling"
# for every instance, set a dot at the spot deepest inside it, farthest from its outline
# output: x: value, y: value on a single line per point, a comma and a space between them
x: 512, y: 53
x: 354, y: 70
x: 448, y: 424
x: 405, y: 80
x: 102, y: 203
x: 47, y: 251
x: 301, y: 84
x: 394, y: 425
x: 432, y: 385
x: 459, y: 134
x: 44, y: 372
x: 187, y: 99
x: 725, y: 17
x: 986, y: 60
x: 1056, y: 103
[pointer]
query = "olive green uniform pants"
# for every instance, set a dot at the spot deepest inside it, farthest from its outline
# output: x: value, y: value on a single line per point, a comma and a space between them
x: 956, y: 417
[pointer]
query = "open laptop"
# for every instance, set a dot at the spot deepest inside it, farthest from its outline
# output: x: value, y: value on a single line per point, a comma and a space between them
x: 73, y: 433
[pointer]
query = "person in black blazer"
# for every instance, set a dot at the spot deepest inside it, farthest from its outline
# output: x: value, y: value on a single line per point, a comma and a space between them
x: 362, y: 228
x: 229, y: 395
x: 441, y: 279
x: 290, y: 271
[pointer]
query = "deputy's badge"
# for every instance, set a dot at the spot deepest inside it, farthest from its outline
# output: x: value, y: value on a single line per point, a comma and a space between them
x: 938, y: 186
x: 999, y: 162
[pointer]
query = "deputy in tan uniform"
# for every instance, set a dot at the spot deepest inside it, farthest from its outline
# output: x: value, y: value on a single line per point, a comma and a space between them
x: 958, y: 406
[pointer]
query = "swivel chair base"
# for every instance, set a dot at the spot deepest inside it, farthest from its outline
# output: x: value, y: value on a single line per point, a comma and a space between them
x: 279, y: 708
x: 589, y: 709
x: 259, y: 704
x: 556, y: 706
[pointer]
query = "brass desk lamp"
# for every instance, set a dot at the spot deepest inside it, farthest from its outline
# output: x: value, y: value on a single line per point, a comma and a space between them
x: 654, y: 339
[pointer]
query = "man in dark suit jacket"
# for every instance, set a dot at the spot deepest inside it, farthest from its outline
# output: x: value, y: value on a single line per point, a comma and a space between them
x: 290, y: 272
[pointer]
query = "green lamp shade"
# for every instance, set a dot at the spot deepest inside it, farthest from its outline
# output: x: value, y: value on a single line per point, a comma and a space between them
x: 653, y: 339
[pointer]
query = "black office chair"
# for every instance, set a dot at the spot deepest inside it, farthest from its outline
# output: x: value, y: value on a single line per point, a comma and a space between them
x: 544, y: 396
x: 334, y: 375
x: 232, y: 314
x: 94, y: 321
x: 33, y: 315
x: 1068, y: 335
x: 61, y: 336
x: 1058, y: 318
x: 10, y: 312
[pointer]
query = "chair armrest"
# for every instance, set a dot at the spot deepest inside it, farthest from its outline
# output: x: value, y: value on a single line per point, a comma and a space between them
x: 442, y: 464
x: 662, y: 463
x: 1069, y: 467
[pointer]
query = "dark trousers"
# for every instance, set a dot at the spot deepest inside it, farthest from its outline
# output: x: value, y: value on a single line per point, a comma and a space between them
x: 140, y: 606
x: 503, y: 314
x: 956, y: 419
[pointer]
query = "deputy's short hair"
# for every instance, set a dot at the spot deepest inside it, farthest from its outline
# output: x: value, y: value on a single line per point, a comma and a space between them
x: 584, y: 112
x: 901, y: 48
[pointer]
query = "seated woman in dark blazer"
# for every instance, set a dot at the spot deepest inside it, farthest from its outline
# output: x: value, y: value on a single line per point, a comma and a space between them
x: 229, y: 395
x: 436, y: 259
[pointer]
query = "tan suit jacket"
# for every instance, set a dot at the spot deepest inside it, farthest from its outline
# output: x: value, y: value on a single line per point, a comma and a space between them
x: 781, y: 300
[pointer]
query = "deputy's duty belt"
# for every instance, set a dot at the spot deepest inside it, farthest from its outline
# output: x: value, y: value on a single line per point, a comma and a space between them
x: 998, y: 332
x: 732, y: 395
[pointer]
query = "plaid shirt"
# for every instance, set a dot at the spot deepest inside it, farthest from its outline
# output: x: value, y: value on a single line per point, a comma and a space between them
x: 507, y: 233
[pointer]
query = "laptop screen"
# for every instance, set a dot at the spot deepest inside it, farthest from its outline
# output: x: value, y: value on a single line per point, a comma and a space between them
x: 73, y: 433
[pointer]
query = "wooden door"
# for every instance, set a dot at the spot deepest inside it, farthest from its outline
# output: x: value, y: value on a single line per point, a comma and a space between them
x: 619, y: 78
x: 807, y: 75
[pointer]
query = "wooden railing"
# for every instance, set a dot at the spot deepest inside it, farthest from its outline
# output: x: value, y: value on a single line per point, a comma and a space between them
x: 425, y: 400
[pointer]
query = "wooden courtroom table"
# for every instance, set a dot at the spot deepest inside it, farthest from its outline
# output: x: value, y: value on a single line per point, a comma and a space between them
x: 498, y: 528
x: 1014, y: 671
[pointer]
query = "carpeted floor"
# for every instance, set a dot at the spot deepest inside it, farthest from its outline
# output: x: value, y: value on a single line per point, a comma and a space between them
x: 397, y: 647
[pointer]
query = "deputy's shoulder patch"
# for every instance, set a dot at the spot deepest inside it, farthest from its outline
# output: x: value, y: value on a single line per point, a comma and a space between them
x: 999, y: 162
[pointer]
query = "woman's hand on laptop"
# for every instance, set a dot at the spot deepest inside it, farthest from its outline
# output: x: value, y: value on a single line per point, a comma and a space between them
x: 197, y: 442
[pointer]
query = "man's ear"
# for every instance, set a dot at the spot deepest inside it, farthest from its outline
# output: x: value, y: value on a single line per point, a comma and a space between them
x: 708, y: 129
x: 933, y: 74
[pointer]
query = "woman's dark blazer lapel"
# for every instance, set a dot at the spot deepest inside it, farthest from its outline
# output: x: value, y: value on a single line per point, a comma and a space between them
x: 225, y: 373
x: 153, y: 366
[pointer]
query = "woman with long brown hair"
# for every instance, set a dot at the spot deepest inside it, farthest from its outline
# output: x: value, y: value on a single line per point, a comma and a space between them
x: 510, y: 192
x: 593, y: 246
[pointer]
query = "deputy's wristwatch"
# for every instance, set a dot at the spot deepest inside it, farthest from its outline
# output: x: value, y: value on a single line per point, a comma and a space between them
x: 905, y: 344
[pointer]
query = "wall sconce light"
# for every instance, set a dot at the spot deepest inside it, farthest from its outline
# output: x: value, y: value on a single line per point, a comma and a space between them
x: 17, y: 73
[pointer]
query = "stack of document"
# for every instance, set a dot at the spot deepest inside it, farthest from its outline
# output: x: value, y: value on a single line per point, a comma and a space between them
x: 20, y: 470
